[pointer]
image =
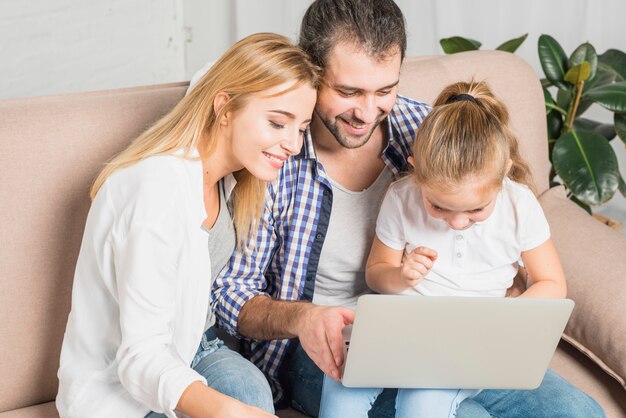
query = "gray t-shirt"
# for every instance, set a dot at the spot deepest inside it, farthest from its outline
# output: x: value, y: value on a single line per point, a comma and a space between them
x: 340, y: 276
x: 221, y: 243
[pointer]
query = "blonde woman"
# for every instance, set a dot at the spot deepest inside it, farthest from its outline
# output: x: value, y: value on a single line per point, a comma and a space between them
x: 140, y: 339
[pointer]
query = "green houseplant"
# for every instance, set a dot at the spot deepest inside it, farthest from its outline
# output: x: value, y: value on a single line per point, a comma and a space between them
x: 579, y: 148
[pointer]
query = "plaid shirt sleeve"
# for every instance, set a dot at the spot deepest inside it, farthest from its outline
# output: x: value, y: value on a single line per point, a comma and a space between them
x: 243, y: 277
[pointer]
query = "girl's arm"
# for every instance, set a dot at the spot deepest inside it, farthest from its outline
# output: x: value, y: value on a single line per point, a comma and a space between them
x: 387, y: 272
x: 544, y: 272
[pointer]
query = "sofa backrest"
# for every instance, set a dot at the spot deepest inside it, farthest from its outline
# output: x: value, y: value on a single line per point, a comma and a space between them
x: 51, y: 148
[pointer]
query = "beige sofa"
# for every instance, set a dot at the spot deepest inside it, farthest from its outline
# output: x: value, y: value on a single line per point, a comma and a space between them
x: 51, y: 148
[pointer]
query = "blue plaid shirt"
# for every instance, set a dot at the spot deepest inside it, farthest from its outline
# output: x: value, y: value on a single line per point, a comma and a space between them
x: 283, y: 263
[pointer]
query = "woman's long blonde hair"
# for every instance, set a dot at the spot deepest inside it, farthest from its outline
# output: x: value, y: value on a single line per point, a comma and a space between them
x: 467, y: 133
x: 252, y: 65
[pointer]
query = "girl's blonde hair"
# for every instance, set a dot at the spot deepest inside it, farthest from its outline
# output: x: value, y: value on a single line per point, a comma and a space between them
x: 252, y: 65
x: 467, y: 133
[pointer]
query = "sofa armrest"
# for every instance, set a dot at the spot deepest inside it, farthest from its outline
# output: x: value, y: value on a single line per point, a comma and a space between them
x: 594, y: 260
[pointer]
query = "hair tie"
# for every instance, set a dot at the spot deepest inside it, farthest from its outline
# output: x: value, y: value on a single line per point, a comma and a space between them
x: 461, y: 97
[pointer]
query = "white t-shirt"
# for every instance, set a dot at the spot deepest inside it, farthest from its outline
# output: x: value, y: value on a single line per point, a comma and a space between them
x: 340, y: 276
x: 141, y: 293
x: 479, y: 261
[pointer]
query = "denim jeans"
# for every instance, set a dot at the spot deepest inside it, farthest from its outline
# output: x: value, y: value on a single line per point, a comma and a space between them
x: 340, y: 401
x: 229, y: 373
x: 555, y: 397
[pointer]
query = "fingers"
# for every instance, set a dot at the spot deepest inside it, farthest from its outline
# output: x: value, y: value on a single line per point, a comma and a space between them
x: 322, y: 340
x: 417, y: 264
x: 426, y: 252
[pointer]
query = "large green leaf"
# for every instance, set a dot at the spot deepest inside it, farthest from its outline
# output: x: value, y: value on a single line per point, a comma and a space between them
x: 513, y: 44
x: 553, y: 60
x: 603, y: 77
x: 622, y: 186
x: 550, y: 103
x: 605, y: 129
x: 619, y: 121
x: 458, y: 44
x: 584, y: 104
x: 611, y: 96
x: 585, y: 52
x: 564, y: 97
x: 587, y: 165
x: 555, y: 124
x: 578, y: 73
x: 615, y: 60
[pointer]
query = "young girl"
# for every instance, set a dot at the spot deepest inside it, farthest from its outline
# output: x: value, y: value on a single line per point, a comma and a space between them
x: 458, y: 225
x: 140, y: 334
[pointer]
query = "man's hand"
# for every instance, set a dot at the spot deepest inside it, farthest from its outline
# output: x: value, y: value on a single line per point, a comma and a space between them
x: 417, y: 264
x: 319, y: 330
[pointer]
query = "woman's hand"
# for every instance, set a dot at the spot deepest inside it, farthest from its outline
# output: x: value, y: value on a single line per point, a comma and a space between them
x: 417, y: 264
x: 236, y: 409
x: 201, y: 401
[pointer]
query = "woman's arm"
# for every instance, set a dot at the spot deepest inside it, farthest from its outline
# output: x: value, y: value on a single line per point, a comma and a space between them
x: 199, y: 400
x: 545, y: 272
x: 390, y: 271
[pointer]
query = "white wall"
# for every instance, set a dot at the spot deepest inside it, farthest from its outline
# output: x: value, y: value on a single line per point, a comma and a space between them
x: 62, y: 46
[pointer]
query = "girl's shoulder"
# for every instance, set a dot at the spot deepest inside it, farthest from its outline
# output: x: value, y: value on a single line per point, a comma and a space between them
x: 517, y: 191
x: 404, y: 184
x: 405, y: 190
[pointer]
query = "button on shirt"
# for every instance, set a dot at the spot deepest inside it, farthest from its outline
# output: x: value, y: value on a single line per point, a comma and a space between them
x: 479, y: 261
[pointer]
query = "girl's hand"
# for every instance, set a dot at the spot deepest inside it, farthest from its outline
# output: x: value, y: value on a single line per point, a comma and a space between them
x: 417, y: 264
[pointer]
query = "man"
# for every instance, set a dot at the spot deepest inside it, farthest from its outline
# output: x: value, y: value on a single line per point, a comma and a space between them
x: 285, y: 291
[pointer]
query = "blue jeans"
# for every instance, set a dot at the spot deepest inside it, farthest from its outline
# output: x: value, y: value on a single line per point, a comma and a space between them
x: 229, y: 373
x: 555, y: 397
x: 340, y: 401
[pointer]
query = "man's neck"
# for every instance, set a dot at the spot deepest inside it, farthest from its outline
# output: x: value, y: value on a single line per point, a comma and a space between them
x: 354, y: 168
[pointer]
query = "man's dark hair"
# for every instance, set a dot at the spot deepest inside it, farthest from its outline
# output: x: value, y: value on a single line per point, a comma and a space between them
x: 377, y: 26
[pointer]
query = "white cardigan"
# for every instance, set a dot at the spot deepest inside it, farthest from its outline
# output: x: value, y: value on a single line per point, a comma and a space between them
x: 141, y: 293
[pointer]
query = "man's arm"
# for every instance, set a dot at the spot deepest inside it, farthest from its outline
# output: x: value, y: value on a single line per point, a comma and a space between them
x: 244, y: 308
x: 317, y: 327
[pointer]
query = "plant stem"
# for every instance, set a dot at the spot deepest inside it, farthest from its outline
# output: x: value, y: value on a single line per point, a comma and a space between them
x: 574, y: 107
x: 555, y: 107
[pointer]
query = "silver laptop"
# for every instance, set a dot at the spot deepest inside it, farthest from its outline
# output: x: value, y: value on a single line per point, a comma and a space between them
x: 453, y: 342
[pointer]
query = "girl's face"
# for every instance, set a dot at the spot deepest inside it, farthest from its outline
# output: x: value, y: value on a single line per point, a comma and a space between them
x: 269, y: 129
x: 472, y: 201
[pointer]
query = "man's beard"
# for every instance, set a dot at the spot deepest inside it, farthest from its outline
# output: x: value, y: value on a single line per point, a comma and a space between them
x: 342, y: 139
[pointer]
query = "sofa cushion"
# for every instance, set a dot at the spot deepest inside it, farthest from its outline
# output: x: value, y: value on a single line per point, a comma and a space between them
x: 597, y: 326
x: 44, y: 410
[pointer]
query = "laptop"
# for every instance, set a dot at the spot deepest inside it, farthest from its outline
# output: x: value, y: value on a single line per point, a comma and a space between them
x: 452, y: 342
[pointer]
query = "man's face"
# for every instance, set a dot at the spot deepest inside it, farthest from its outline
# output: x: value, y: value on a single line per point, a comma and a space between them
x: 358, y: 93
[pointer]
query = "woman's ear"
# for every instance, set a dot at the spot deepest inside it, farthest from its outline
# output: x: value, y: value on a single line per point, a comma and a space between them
x: 411, y: 161
x: 219, y: 102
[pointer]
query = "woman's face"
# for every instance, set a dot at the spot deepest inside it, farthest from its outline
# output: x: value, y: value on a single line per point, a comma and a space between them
x: 270, y: 128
